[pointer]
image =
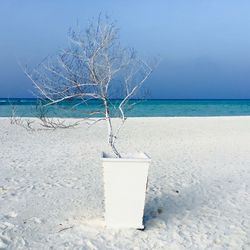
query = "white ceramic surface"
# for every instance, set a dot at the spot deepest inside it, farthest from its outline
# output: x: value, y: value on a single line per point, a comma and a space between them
x: 125, y: 181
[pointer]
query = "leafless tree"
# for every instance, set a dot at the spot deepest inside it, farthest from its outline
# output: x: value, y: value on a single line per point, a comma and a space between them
x: 17, y: 120
x: 52, y: 123
x: 42, y: 114
x: 94, y: 67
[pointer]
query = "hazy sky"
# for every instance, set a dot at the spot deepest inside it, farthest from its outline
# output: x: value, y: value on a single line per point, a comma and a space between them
x: 204, y: 44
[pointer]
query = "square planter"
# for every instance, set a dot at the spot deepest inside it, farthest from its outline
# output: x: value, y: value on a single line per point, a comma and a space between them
x: 125, y: 181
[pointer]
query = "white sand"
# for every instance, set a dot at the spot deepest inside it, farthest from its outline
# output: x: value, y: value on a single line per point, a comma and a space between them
x: 51, y: 188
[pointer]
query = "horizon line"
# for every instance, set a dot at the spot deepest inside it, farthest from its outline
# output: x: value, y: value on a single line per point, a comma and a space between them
x: 155, y: 99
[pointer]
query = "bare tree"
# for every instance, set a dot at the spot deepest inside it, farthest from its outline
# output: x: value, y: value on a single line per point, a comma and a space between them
x: 17, y: 120
x: 93, y: 67
x: 42, y: 114
x: 52, y: 123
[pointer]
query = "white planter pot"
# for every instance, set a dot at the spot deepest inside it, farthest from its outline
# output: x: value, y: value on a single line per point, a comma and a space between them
x: 125, y: 181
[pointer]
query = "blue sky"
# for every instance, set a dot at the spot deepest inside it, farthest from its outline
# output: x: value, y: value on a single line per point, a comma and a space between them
x: 204, y: 44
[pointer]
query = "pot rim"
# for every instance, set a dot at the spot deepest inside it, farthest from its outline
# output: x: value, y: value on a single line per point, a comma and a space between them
x: 138, y: 157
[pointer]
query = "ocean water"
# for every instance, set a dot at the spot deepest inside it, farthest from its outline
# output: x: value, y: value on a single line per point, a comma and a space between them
x: 146, y: 108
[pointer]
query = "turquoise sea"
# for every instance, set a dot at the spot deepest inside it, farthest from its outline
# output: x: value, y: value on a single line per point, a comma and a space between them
x: 27, y: 107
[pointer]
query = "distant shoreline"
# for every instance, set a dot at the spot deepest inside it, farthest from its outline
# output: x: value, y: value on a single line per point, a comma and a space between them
x: 143, y: 108
x: 148, y: 99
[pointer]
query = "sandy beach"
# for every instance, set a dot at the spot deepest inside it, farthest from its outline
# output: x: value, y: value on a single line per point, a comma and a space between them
x: 198, y: 197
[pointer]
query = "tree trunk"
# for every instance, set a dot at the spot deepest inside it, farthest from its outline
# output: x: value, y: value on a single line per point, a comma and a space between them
x: 110, y: 130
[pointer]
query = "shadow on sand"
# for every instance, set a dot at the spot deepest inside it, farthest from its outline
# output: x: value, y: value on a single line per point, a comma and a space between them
x: 173, y: 205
